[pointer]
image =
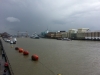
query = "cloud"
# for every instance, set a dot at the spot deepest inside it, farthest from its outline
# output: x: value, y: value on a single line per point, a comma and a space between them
x: 12, y: 19
x: 37, y: 15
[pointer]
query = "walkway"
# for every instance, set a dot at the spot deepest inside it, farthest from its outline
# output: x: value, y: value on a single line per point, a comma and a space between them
x: 2, y: 61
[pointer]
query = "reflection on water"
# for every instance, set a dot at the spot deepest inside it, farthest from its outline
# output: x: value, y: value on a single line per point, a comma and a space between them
x: 55, y: 56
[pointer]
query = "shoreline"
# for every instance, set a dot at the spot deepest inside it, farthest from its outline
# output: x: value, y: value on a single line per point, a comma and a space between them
x: 3, y: 59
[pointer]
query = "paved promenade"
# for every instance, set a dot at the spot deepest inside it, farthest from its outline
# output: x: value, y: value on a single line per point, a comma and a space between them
x: 2, y: 62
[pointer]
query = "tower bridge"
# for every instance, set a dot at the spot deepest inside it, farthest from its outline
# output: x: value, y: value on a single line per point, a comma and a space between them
x: 22, y: 34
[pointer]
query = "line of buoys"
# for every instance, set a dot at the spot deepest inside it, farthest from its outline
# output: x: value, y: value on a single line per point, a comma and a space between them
x: 21, y: 50
x: 34, y: 57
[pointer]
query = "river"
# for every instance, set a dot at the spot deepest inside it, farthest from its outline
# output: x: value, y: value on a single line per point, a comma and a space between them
x: 55, y: 57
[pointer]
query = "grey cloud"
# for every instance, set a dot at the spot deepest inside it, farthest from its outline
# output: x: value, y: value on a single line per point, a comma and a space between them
x: 12, y: 19
x: 38, y: 15
x: 59, y: 22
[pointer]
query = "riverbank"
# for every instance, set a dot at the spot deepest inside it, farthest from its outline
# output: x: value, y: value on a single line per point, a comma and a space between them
x: 2, y: 62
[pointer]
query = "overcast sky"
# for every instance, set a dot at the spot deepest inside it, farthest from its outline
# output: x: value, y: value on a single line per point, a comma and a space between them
x: 38, y: 15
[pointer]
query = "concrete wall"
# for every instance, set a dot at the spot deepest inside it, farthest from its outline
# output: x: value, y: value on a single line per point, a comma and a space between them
x: 6, y: 59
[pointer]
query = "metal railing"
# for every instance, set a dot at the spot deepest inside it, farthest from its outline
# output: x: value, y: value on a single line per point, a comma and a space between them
x: 7, y: 60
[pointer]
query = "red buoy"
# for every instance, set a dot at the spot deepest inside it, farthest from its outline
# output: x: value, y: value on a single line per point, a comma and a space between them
x: 6, y: 64
x: 35, y: 57
x: 16, y: 48
x: 25, y: 53
x: 21, y: 50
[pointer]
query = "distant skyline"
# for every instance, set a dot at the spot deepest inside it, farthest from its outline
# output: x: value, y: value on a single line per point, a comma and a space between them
x: 38, y: 15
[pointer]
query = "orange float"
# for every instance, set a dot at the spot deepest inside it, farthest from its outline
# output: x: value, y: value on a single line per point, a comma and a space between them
x: 25, y: 53
x: 34, y: 57
x: 21, y: 50
x: 16, y: 48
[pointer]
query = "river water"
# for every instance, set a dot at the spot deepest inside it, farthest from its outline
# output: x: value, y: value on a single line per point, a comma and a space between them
x: 55, y: 57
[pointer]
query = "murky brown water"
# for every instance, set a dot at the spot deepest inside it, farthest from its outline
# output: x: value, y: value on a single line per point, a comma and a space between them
x: 55, y: 56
